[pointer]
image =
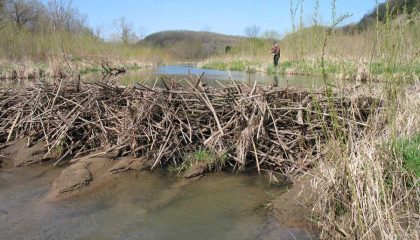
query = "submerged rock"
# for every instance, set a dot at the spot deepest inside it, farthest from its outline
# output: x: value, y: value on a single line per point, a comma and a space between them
x: 72, y: 178
x: 196, y: 170
x: 79, y: 175
x: 174, y: 192
x: 19, y: 155
x: 129, y: 164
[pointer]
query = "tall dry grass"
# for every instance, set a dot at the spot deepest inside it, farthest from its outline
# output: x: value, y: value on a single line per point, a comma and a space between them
x: 27, y: 52
x: 364, y: 190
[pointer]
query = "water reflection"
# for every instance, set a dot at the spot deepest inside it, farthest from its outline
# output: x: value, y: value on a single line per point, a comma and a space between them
x: 276, y: 81
x: 215, y: 78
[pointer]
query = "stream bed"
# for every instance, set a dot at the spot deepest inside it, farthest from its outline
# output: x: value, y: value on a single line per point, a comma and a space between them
x: 141, y: 206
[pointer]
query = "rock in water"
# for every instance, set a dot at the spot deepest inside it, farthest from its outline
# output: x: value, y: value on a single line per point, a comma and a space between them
x: 72, y: 178
x: 196, y: 170
x: 21, y: 155
x: 129, y: 164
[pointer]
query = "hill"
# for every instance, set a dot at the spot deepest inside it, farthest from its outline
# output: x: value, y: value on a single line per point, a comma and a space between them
x: 395, y: 8
x: 191, y: 44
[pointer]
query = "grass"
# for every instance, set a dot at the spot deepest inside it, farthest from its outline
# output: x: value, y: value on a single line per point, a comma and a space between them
x: 25, y: 50
x: 365, y: 185
x: 234, y: 65
x: 367, y: 188
x: 409, y: 150
x: 343, y: 69
x: 213, y: 160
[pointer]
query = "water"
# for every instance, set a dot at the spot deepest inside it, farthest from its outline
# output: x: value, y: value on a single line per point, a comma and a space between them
x: 212, y: 77
x: 140, y: 206
x: 152, y: 76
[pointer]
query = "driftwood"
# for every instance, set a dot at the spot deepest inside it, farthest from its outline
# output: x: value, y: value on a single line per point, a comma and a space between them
x: 267, y: 128
x: 108, y: 71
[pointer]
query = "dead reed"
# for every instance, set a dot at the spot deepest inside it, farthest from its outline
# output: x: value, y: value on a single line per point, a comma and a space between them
x: 364, y: 190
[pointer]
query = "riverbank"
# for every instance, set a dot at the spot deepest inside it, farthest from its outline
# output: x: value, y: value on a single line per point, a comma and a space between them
x: 60, y: 68
x: 341, y: 70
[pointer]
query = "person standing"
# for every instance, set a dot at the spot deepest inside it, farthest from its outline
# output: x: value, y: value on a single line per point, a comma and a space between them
x: 276, y: 53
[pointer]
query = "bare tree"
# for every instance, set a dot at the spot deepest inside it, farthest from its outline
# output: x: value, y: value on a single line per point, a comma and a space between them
x: 22, y: 12
x: 62, y: 16
x: 252, y: 31
x: 125, y: 32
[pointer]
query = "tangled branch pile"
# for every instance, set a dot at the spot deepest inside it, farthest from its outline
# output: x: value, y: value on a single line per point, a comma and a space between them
x: 268, y: 128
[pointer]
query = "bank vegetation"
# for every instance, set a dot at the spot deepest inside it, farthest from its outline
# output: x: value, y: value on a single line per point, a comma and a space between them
x: 384, y: 42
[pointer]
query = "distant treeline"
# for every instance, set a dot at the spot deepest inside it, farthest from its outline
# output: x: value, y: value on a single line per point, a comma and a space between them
x: 191, y: 44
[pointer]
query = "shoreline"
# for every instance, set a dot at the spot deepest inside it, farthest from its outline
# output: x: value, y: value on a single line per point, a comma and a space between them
x: 32, y: 71
x: 347, y: 70
x: 89, y: 176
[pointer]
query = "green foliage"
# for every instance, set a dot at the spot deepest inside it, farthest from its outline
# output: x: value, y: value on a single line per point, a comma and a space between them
x: 201, y: 155
x: 385, y: 68
x: 235, y: 65
x: 87, y: 70
x: 409, y: 149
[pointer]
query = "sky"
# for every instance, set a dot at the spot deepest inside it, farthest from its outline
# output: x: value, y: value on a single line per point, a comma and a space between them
x: 222, y: 16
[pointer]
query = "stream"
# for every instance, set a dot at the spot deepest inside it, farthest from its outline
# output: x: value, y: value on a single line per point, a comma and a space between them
x: 151, y: 76
x: 141, y: 206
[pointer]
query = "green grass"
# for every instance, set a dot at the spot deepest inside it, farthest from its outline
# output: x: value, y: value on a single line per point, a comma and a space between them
x: 88, y: 70
x: 382, y: 68
x: 201, y: 155
x: 409, y: 149
x: 304, y: 67
x: 236, y: 65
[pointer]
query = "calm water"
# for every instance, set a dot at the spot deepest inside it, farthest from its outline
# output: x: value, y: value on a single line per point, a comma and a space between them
x: 212, y: 77
x: 152, y: 76
x: 140, y: 206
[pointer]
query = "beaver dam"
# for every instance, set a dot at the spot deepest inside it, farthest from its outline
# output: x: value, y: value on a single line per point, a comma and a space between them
x: 239, y: 126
